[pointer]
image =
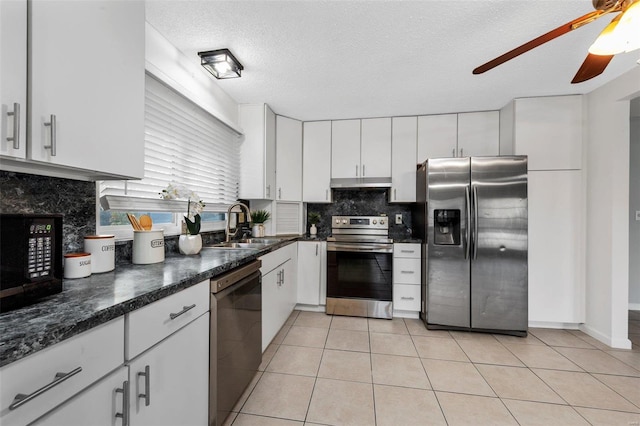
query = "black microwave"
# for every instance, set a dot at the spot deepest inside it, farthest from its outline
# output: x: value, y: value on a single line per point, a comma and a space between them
x: 31, y: 258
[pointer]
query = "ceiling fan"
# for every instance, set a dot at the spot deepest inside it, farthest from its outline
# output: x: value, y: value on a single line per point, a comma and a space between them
x: 621, y: 35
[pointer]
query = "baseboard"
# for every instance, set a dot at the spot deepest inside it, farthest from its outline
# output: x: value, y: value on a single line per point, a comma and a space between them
x: 559, y: 325
x: 623, y: 343
x: 310, y: 308
x: 405, y: 314
x: 634, y: 306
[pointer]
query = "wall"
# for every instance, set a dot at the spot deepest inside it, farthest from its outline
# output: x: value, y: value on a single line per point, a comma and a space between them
x: 634, y: 205
x: 365, y: 202
x: 607, y: 185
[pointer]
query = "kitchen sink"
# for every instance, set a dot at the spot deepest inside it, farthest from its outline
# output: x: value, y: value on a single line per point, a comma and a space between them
x: 247, y: 243
x: 263, y: 241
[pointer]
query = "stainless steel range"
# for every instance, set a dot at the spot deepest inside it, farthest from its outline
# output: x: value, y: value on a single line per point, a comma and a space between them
x: 359, y: 267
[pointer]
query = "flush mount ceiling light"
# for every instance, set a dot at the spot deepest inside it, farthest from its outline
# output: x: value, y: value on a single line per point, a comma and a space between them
x: 221, y: 63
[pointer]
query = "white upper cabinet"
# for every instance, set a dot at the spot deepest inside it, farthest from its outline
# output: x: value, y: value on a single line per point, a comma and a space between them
x: 375, y: 148
x: 288, y: 159
x: 549, y: 130
x: 316, y: 162
x: 86, y: 86
x: 437, y: 136
x: 458, y: 135
x: 13, y: 78
x: 258, y: 152
x: 403, y: 159
x: 345, y: 149
x: 478, y: 133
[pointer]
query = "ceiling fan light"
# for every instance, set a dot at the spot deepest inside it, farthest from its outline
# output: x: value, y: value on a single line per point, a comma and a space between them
x: 611, y: 40
x: 630, y: 22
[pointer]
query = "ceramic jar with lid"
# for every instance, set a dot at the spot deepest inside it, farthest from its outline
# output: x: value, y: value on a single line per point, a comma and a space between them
x: 103, y: 252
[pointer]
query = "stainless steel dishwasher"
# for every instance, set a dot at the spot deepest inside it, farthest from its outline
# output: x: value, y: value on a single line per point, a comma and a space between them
x: 236, y: 337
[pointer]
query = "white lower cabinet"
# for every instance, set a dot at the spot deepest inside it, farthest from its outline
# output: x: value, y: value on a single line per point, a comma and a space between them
x: 169, y: 383
x: 312, y: 273
x: 407, y: 279
x: 279, y: 273
x: 101, y: 404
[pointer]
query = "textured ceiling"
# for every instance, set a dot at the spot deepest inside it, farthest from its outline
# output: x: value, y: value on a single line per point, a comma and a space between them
x: 316, y: 60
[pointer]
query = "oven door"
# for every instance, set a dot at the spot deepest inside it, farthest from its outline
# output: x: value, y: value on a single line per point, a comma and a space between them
x: 359, y: 279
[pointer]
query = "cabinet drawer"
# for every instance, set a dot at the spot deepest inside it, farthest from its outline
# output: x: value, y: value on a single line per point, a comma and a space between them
x: 406, y: 271
x: 406, y: 297
x: 406, y: 250
x: 96, y: 352
x: 149, y: 325
x: 271, y: 261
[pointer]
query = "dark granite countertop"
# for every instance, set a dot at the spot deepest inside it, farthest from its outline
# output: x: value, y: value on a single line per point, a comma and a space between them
x: 88, y: 302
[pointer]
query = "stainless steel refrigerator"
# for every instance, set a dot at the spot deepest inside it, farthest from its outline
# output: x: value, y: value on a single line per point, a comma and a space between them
x: 472, y: 216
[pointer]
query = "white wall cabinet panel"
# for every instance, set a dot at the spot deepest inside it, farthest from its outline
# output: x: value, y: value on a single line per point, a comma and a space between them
x: 13, y: 77
x: 98, y: 110
x: 312, y: 275
x: 478, y: 133
x: 404, y: 139
x: 258, y: 152
x: 100, y: 403
x: 345, y: 149
x: 288, y: 159
x: 375, y: 148
x: 177, y: 385
x: 556, y: 287
x: 316, y: 162
x: 550, y: 131
x: 437, y: 136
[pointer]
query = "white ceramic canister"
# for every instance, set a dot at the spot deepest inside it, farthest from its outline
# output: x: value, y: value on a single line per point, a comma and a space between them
x: 148, y: 247
x: 77, y: 265
x: 103, y: 252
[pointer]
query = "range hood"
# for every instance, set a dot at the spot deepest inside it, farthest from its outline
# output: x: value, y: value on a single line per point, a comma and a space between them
x: 363, y: 182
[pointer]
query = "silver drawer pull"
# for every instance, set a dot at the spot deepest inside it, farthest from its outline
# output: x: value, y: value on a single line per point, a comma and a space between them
x: 407, y: 272
x: 21, y: 398
x: 406, y: 298
x: 124, y: 390
x: 54, y: 131
x: 184, y: 309
x: 407, y: 251
x: 16, y: 126
x: 147, y: 383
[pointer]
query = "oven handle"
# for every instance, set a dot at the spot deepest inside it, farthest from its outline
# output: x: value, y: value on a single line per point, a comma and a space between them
x: 352, y: 248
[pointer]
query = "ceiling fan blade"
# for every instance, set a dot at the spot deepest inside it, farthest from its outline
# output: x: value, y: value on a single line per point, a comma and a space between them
x: 592, y: 66
x: 561, y: 30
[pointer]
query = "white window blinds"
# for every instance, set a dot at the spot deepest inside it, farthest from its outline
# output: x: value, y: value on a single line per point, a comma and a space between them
x: 185, y: 145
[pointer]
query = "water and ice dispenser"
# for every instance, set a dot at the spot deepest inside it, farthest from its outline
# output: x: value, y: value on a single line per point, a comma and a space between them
x: 446, y: 227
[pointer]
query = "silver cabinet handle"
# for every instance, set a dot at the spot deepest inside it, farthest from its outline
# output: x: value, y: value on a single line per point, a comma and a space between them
x: 147, y: 385
x: 283, y: 277
x: 407, y: 251
x: 394, y: 194
x: 21, y: 399
x: 268, y: 190
x: 280, y: 193
x: 357, y: 170
x: 316, y: 249
x: 280, y: 278
x: 326, y: 194
x: 453, y: 152
x: 407, y: 272
x: 363, y: 174
x: 461, y: 152
x: 406, y: 298
x: 53, y: 128
x: 184, y: 309
x: 124, y: 390
x: 16, y: 126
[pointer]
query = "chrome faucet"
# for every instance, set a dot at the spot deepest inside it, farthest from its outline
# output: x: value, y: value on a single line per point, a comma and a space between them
x: 227, y: 230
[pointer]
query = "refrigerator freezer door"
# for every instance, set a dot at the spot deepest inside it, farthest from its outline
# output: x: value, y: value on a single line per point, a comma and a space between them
x: 448, y: 272
x: 499, y: 256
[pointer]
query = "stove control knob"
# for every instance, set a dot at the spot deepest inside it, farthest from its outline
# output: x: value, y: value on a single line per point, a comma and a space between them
x: 337, y: 221
x: 381, y: 222
x: 344, y: 221
x: 375, y: 221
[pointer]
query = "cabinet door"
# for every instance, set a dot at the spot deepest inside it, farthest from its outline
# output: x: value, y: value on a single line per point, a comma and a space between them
x: 437, y: 136
x: 288, y: 289
x: 87, y: 70
x: 309, y: 255
x: 403, y: 159
x: 549, y: 131
x: 345, y: 149
x: 176, y: 390
x: 288, y: 159
x: 258, y: 152
x: 97, y: 405
x: 316, y: 162
x: 270, y: 326
x: 13, y: 77
x: 556, y: 287
x: 478, y: 133
x: 270, y: 153
x: 375, y: 148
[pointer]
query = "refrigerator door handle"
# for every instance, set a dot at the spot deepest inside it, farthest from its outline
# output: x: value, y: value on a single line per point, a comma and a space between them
x: 468, y: 206
x: 475, y: 222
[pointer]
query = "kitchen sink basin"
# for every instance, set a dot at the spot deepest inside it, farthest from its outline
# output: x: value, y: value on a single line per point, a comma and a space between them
x: 248, y: 243
x: 263, y: 241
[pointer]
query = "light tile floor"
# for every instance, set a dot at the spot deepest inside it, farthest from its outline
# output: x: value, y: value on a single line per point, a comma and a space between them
x: 355, y: 371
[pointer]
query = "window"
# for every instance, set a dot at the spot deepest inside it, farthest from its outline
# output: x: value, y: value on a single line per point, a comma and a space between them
x: 184, y: 145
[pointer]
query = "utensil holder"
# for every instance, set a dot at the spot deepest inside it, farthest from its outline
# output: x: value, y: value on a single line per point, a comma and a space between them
x: 148, y: 247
